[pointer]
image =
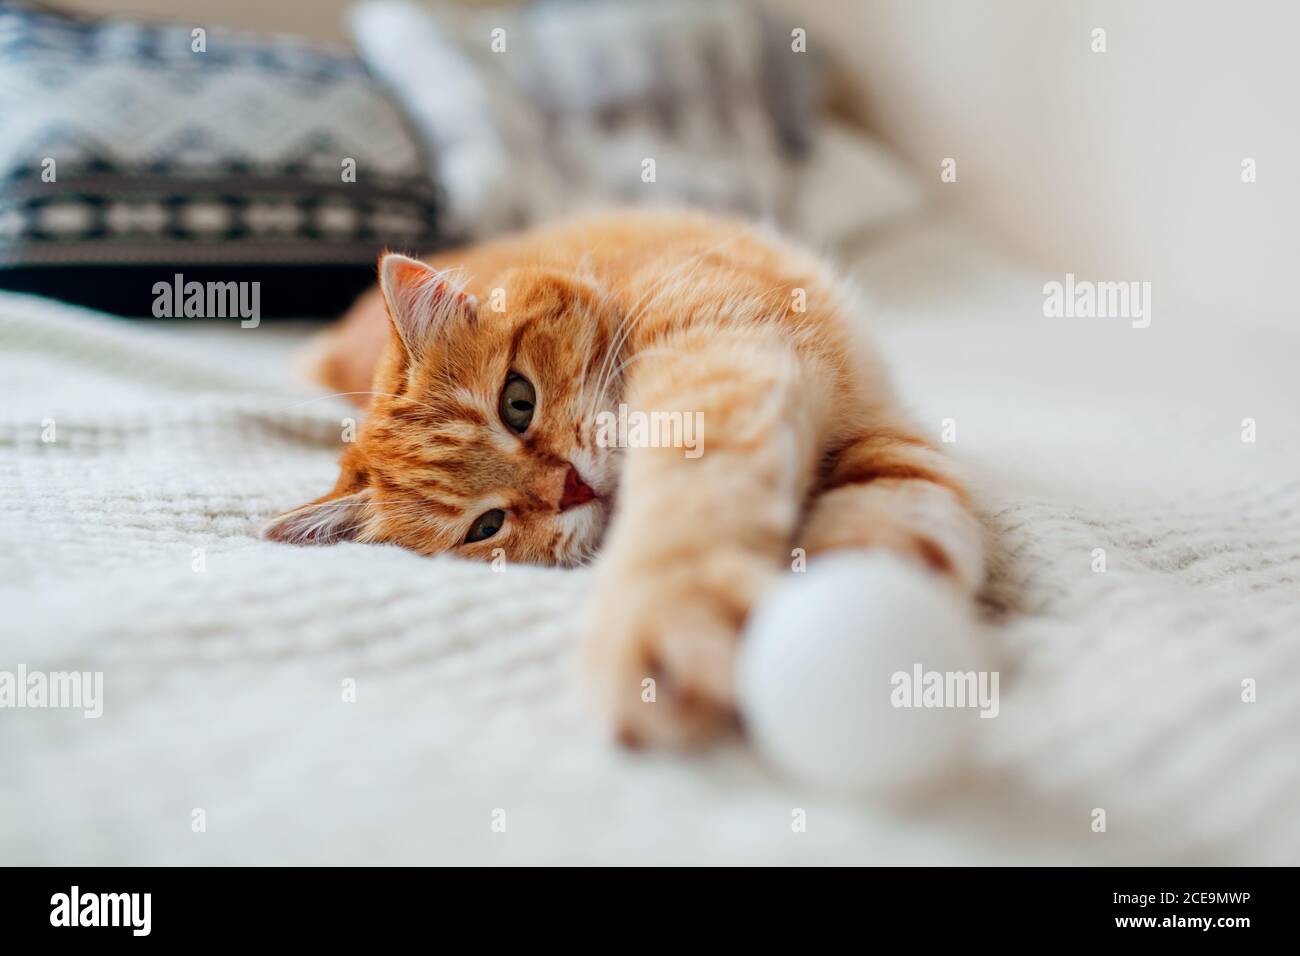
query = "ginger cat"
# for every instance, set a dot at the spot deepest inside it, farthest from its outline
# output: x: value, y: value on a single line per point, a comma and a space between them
x: 484, y: 398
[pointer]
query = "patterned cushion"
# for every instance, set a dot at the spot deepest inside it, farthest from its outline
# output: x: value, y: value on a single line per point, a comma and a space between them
x: 126, y: 154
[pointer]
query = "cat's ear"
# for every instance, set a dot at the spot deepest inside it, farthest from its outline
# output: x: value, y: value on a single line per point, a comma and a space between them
x: 421, y: 300
x: 328, y: 521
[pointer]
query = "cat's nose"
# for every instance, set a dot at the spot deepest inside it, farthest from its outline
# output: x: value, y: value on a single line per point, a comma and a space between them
x: 576, y: 491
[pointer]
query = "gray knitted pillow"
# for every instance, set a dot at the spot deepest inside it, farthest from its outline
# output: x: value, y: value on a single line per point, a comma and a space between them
x: 570, y: 102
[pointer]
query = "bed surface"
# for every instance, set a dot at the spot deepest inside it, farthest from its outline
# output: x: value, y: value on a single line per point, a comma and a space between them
x: 223, y: 686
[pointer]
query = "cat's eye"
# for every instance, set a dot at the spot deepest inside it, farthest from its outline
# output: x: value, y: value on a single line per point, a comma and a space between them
x: 486, y: 525
x: 518, y: 398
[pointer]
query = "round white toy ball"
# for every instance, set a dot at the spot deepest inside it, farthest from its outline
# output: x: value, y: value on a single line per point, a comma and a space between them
x: 820, y: 675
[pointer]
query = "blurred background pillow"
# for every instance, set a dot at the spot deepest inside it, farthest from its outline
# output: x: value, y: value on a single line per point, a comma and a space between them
x: 131, y: 151
x: 565, y: 104
x: 592, y: 102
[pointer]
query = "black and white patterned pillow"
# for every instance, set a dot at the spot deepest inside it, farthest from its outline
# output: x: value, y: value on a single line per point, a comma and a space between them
x: 133, y: 151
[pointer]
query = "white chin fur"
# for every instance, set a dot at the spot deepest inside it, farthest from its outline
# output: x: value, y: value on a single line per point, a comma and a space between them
x: 584, y: 527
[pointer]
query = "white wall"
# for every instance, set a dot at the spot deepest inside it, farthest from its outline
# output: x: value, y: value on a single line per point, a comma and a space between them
x: 1118, y: 165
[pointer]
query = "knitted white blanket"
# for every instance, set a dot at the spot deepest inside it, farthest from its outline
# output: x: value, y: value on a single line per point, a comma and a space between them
x: 136, y: 462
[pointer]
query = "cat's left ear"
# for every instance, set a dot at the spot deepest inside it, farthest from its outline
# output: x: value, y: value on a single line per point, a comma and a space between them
x: 421, y: 300
x: 330, y: 520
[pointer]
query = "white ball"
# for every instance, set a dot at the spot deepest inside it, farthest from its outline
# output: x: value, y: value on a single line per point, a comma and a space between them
x: 817, y: 680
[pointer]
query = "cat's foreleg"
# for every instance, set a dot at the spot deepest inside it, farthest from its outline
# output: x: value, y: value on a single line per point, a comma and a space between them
x: 889, y: 488
x: 699, y: 533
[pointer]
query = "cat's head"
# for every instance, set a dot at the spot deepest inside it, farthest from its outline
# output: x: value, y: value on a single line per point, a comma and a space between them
x: 478, y: 434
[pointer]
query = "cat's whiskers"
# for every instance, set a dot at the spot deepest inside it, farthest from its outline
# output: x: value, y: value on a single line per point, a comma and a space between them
x: 608, y: 303
x: 605, y: 305
x: 634, y: 313
x: 669, y: 282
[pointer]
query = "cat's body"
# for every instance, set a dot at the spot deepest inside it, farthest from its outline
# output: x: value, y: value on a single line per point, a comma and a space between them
x: 483, y: 437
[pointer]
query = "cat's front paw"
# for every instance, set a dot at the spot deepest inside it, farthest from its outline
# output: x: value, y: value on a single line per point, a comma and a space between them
x: 663, y: 670
x: 661, y: 650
